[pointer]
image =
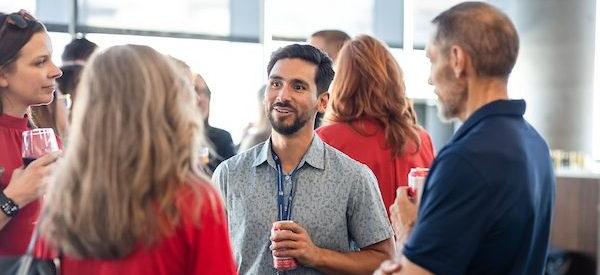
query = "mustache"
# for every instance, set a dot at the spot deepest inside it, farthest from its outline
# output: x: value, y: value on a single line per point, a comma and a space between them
x: 282, y: 104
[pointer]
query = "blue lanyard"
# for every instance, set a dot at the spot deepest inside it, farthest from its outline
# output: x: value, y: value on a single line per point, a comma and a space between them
x: 284, y: 212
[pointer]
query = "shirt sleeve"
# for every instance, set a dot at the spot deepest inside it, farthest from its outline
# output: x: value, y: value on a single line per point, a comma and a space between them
x: 368, y: 223
x: 212, y: 245
x: 452, y: 219
x: 219, y: 180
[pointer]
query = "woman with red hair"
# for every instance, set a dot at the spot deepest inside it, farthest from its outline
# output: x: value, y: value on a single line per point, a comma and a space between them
x: 370, y: 119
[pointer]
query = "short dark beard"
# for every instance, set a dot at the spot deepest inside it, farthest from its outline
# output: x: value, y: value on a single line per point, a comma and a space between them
x: 286, y: 130
x: 280, y: 128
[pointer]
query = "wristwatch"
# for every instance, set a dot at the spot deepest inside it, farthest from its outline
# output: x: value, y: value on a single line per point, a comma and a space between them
x: 8, y: 206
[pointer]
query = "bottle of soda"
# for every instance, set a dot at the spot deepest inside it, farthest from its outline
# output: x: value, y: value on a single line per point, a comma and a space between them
x: 416, y: 182
x: 284, y: 263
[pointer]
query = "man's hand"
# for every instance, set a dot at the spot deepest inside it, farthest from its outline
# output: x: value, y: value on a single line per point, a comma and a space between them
x: 291, y: 240
x: 403, y: 213
x: 388, y: 267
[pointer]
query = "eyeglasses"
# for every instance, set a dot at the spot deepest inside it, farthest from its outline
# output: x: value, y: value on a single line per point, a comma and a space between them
x: 18, y: 19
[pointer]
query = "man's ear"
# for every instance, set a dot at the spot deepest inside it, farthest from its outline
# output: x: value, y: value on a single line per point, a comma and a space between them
x: 322, y: 101
x: 458, y: 60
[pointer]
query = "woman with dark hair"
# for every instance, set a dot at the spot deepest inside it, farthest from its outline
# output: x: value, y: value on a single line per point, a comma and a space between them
x: 27, y: 78
x: 370, y: 119
x: 56, y: 114
x: 132, y: 200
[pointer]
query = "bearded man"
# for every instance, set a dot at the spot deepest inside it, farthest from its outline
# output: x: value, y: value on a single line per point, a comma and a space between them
x: 339, y: 221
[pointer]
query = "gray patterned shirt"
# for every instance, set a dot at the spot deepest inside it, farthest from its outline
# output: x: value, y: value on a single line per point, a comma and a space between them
x: 337, y: 200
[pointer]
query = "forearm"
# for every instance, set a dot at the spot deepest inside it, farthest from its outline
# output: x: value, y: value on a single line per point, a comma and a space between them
x: 401, y: 240
x: 3, y: 220
x: 359, y: 262
x: 17, y: 198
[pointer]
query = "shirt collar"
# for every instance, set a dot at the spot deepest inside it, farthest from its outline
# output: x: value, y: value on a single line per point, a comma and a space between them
x: 495, y: 108
x: 315, y: 156
x: 14, y: 122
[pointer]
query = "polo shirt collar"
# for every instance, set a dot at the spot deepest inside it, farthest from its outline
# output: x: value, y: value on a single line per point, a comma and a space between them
x: 515, y: 107
x: 315, y: 156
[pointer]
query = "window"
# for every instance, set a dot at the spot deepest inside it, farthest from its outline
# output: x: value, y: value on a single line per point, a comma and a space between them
x: 233, y: 71
x: 59, y: 41
x: 190, y: 16
x: 14, y: 6
x: 424, y: 12
x: 294, y: 19
x: 596, y: 93
x: 415, y: 67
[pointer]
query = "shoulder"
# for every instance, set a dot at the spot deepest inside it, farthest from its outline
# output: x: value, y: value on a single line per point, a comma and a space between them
x: 333, y: 128
x: 455, y: 168
x: 339, y: 135
x: 344, y: 165
x: 240, y: 162
x: 423, y: 134
x: 199, y: 194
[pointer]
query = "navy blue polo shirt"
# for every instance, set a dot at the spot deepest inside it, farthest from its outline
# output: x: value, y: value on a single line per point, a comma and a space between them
x: 487, y: 203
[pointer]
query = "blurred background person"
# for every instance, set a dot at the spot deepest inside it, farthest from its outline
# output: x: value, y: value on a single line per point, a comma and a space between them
x: 78, y: 51
x: 67, y: 83
x: 27, y: 78
x: 330, y: 42
x: 258, y: 131
x: 219, y: 140
x: 74, y: 57
x: 370, y: 119
x: 158, y: 214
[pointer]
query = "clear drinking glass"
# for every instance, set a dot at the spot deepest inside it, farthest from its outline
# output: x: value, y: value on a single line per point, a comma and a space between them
x: 38, y: 142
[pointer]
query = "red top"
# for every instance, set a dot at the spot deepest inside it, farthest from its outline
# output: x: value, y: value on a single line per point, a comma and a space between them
x: 14, y: 236
x: 371, y: 150
x: 193, y: 248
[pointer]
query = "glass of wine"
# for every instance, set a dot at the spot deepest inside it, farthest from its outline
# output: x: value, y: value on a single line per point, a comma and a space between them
x: 38, y: 142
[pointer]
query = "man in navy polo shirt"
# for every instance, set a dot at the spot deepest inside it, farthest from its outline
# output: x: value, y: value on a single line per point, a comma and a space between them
x: 487, y: 203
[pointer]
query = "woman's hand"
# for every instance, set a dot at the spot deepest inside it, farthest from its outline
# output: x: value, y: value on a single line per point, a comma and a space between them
x: 27, y: 184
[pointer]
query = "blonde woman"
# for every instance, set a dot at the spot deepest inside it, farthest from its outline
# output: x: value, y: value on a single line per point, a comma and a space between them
x: 128, y: 197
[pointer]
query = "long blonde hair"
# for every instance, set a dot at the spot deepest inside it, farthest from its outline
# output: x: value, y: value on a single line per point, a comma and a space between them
x: 369, y: 84
x: 132, y: 147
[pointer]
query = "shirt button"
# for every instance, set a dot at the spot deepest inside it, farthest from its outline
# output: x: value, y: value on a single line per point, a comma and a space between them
x: 287, y: 177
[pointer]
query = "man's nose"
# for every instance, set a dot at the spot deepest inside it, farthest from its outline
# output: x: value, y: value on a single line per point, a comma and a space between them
x: 284, y: 93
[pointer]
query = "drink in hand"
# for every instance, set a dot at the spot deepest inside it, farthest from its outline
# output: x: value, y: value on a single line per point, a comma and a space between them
x: 38, y: 142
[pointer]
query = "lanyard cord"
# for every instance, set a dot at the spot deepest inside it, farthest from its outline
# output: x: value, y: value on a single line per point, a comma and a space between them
x: 284, y: 212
